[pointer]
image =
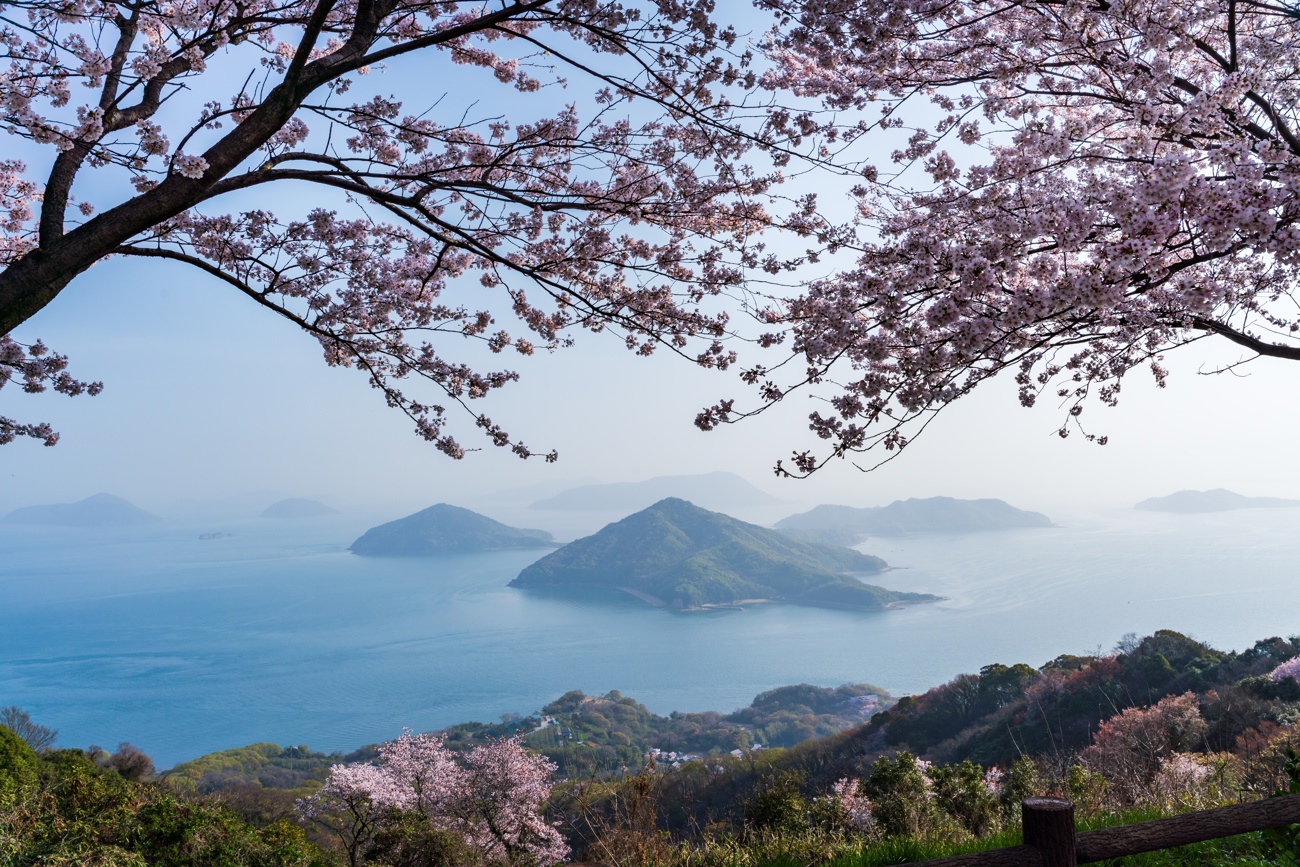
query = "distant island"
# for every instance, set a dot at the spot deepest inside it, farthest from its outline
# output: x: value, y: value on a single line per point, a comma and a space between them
x: 847, y: 525
x: 295, y: 507
x: 444, y: 529
x: 101, y: 510
x: 1217, y: 500
x: 679, y: 556
x: 715, y: 490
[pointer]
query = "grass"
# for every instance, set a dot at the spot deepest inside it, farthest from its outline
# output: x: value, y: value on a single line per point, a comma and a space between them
x: 828, y: 850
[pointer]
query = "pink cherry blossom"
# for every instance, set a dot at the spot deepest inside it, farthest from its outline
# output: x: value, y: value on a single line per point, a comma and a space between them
x: 854, y: 806
x: 1289, y: 670
x: 37, y: 369
x: 628, y: 208
x: 1061, y: 192
x: 491, y: 796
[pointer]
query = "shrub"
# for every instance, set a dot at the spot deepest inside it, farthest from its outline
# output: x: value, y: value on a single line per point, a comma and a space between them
x: 1129, y: 747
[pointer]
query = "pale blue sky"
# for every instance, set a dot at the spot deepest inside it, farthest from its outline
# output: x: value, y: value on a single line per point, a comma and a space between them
x: 208, y: 396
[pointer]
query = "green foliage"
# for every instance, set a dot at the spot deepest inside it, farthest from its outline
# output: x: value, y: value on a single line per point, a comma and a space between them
x: 171, y: 832
x: 1285, y: 842
x: 73, y: 810
x: 960, y: 791
x: 264, y: 765
x: 409, y: 840
x: 778, y: 806
x: 18, y: 764
x: 1006, y: 711
x: 901, y: 794
x: 37, y: 736
x: 1087, y: 789
x: 1022, y: 781
x: 594, y: 735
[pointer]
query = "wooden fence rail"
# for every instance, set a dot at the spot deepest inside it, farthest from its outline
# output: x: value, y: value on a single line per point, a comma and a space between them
x: 1051, y: 841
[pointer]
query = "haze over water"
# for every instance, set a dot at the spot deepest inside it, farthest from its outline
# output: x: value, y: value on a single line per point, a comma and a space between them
x: 183, y: 646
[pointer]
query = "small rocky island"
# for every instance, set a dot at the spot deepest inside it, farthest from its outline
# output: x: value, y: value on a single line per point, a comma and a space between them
x: 296, y: 507
x: 101, y: 510
x: 444, y: 529
x: 1217, y: 500
x: 847, y: 525
x: 679, y: 556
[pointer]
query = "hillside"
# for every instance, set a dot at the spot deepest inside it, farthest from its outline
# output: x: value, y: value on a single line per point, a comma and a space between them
x: 297, y: 508
x: 101, y: 510
x: 677, y: 555
x: 1160, y: 726
x: 713, y: 490
x: 1217, y: 500
x: 444, y: 529
x: 848, y: 525
x: 583, y: 734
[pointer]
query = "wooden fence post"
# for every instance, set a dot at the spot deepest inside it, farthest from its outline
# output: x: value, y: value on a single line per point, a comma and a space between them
x: 1049, y: 828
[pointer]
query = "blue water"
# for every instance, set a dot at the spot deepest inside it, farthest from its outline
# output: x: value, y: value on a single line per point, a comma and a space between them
x: 183, y: 646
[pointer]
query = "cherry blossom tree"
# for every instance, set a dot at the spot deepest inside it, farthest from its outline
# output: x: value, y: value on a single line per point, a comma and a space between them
x: 1075, y: 188
x: 1130, y: 747
x: 176, y: 130
x: 852, y: 806
x: 492, y: 797
x: 1289, y: 670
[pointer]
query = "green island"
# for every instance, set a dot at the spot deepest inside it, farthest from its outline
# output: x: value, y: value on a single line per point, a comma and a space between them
x: 1217, y: 500
x: 676, y: 555
x: 100, y: 510
x: 297, y: 507
x: 849, y: 525
x: 444, y: 529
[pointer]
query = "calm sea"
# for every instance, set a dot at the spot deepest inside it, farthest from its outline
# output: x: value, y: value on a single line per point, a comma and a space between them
x: 275, y: 633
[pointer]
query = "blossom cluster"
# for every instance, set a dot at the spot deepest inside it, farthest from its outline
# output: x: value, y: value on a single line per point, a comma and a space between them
x: 1104, y: 181
x: 624, y: 212
x: 37, y: 369
x: 491, y: 797
x: 1137, y: 749
x: 1289, y: 670
x: 853, y: 805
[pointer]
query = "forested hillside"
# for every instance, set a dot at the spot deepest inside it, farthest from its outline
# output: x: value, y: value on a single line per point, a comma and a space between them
x: 584, y: 735
x: 1160, y: 725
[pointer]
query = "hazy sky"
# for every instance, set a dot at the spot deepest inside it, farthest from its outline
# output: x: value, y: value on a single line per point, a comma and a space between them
x: 208, y: 396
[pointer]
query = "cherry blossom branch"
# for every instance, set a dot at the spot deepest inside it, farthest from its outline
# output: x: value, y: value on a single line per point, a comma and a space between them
x: 616, y: 224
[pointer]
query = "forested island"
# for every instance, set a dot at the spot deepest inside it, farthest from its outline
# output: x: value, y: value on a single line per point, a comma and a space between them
x: 100, y: 510
x: 848, y: 525
x: 444, y: 529
x: 1217, y: 500
x: 297, y: 507
x: 679, y: 556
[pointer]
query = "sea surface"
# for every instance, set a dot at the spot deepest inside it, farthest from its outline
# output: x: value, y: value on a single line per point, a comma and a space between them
x: 183, y: 645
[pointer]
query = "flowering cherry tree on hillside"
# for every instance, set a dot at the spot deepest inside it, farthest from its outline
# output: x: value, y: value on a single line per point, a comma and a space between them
x: 1289, y: 670
x: 167, y: 130
x: 1131, y: 747
x: 491, y: 798
x: 1076, y: 187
